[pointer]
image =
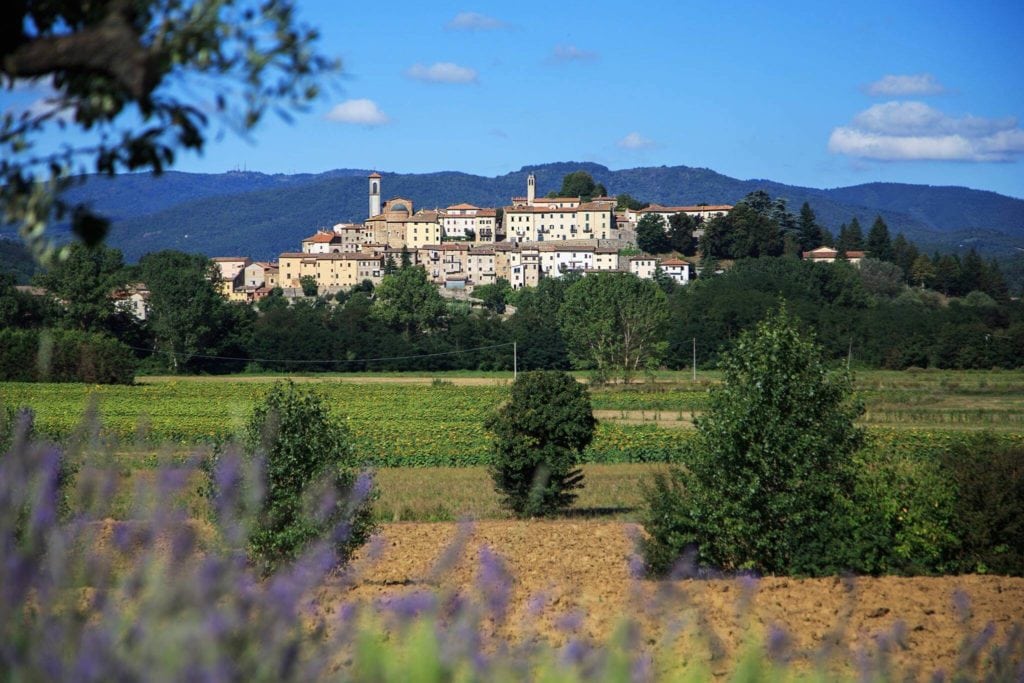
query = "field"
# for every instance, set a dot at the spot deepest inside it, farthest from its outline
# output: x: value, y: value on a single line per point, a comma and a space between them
x: 425, y: 435
x: 438, y: 421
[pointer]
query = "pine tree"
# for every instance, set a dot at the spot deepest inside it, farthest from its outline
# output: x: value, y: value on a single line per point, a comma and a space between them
x: 879, y: 245
x: 810, y: 234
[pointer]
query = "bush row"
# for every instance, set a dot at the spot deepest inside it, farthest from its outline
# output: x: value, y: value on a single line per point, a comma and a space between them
x: 922, y: 503
x: 64, y: 356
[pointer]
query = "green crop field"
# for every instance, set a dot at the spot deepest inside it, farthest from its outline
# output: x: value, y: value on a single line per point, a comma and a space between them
x: 415, y: 421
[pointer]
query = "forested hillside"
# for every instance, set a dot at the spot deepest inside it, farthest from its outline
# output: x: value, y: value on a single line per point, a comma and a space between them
x: 262, y: 215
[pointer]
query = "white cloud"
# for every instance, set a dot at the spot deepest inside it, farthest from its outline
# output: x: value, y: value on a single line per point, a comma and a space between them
x: 442, y: 72
x: 571, y: 53
x: 913, y: 84
x: 915, y: 131
x: 635, y: 141
x: 474, y: 21
x: 362, y: 112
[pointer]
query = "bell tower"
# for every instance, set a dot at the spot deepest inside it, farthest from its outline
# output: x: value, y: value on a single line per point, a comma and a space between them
x: 374, y: 194
x: 531, y: 189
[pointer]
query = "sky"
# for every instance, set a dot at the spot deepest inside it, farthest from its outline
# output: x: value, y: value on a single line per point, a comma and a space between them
x: 816, y: 94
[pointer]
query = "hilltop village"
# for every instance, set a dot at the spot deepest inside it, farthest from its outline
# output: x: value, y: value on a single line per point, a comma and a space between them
x: 464, y: 246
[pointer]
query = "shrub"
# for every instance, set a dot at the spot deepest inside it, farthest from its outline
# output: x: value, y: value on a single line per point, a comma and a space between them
x: 308, y: 459
x: 539, y: 438
x: 763, y: 483
x: 988, y: 479
x: 64, y: 356
x: 899, y: 518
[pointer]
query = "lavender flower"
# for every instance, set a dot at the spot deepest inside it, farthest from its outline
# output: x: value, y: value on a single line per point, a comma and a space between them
x: 494, y: 583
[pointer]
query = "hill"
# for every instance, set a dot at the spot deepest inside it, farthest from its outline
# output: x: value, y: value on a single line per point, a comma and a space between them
x: 262, y: 215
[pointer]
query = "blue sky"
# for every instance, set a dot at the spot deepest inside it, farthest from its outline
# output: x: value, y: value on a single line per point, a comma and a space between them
x: 808, y: 93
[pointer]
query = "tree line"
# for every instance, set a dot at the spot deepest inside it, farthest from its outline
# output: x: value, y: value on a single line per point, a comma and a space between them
x: 894, y: 313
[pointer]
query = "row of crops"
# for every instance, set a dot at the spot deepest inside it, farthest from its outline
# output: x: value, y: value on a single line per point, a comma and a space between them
x: 392, y: 424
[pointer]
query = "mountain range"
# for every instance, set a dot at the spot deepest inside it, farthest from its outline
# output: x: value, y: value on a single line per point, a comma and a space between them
x: 261, y: 215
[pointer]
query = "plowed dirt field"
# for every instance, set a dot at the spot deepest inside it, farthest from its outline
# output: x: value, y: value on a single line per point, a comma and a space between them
x: 584, y: 566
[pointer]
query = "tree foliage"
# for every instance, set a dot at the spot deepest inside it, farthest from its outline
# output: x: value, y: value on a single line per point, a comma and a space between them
x: 311, y: 480
x: 751, y: 229
x: 680, y: 233
x: 84, y: 282
x: 115, y: 70
x: 614, y: 323
x: 770, y: 467
x: 581, y: 184
x: 539, y: 438
x: 407, y: 300
x: 186, y: 312
x: 651, y: 235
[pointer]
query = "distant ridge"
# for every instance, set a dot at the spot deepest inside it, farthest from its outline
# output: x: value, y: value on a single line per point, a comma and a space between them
x: 262, y: 215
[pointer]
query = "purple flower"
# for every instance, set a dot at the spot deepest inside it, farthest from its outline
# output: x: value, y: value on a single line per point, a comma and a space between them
x: 494, y: 583
x: 411, y: 605
x: 362, y: 488
x: 570, y: 622
x: 642, y: 669
x: 778, y: 643
x: 962, y: 606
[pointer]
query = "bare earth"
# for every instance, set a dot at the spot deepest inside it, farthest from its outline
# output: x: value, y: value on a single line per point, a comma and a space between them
x: 582, y: 565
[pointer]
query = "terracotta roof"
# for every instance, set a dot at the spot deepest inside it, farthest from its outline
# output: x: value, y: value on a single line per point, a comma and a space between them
x: 657, y: 208
x: 322, y: 238
x: 227, y: 259
x: 643, y: 258
x: 375, y: 175
x: 828, y: 252
x: 551, y: 200
x: 486, y: 212
x: 540, y: 209
x: 423, y: 217
x: 462, y: 206
x: 674, y: 262
x: 293, y: 254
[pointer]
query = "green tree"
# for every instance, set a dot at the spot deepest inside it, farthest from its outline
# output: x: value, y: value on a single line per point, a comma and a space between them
x: 84, y: 282
x: 750, y: 230
x: 972, y: 273
x: 810, y: 234
x: 538, y: 440
x: 408, y: 301
x: 851, y: 238
x: 625, y: 201
x: 922, y: 271
x: 904, y: 253
x: 495, y: 296
x: 680, y: 233
x: 881, y: 279
x: 948, y: 277
x: 581, y: 184
x: 541, y: 344
x: 185, y: 309
x: 309, y: 285
x: 310, y: 478
x: 651, y: 236
x: 879, y: 246
x: 614, y: 322
x: 765, y: 482
x: 145, y: 76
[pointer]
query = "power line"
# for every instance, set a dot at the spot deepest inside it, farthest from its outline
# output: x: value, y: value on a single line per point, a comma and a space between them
x: 343, y: 360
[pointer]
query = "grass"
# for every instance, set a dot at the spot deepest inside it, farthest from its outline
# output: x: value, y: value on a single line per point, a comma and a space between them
x: 452, y: 493
x: 411, y: 494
